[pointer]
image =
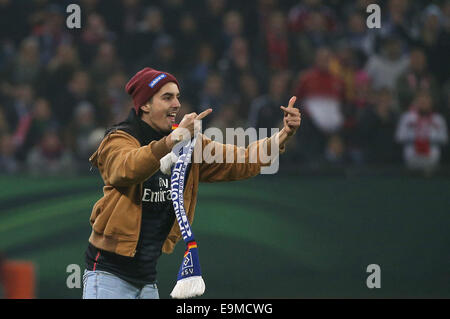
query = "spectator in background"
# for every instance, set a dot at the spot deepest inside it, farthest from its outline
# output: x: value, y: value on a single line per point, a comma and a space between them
x: 105, y: 64
x: 248, y: 92
x: 19, y: 114
x: 446, y: 16
x: 346, y: 66
x: 312, y: 25
x: 42, y: 60
x: 362, y: 91
x: 213, y: 95
x: 436, y: 43
x: 59, y: 70
x: 264, y: 108
x: 8, y: 162
x: 446, y: 114
x: 41, y: 120
x: 173, y: 10
x: 51, y: 32
x: 358, y: 36
x: 299, y: 15
x: 237, y: 62
x: 233, y: 27
x: 446, y: 100
x: 211, y: 23
x: 114, y: 103
x: 130, y: 15
x: 226, y: 118
x: 4, y: 126
x: 26, y: 66
x: 262, y: 14
x: 415, y: 78
x: 90, y: 6
x: 422, y: 133
x: 10, y: 15
x: 335, y: 150
x: 50, y: 157
x: 385, y: 69
x: 80, y: 129
x: 322, y: 94
x: 397, y: 20
x: 356, y: 106
x: 374, y: 135
x: 196, y: 77
x: 78, y: 89
x: 187, y: 40
x: 277, y: 42
x: 163, y: 54
x: 16, y: 103
x: 127, y: 21
x: 93, y: 34
x: 7, y: 56
x: 147, y: 31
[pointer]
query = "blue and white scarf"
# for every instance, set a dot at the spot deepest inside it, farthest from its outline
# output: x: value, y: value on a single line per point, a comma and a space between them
x: 189, y: 280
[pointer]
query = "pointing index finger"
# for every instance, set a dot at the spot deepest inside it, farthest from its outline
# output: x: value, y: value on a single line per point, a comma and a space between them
x: 203, y: 114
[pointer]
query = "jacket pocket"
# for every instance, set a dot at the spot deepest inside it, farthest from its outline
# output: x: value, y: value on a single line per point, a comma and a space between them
x: 103, y: 209
x: 125, y: 214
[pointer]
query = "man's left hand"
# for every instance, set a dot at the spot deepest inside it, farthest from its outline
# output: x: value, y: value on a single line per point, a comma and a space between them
x: 292, y: 117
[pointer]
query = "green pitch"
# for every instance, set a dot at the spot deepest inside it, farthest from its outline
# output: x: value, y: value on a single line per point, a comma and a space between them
x: 271, y: 236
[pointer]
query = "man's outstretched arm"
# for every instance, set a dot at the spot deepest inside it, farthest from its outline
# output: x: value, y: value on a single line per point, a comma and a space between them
x: 250, y: 161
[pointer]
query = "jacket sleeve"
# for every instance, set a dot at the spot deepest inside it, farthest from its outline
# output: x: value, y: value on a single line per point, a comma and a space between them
x: 226, y: 162
x: 123, y: 163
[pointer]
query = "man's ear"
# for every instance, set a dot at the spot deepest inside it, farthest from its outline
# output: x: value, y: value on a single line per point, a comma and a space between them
x: 145, y: 108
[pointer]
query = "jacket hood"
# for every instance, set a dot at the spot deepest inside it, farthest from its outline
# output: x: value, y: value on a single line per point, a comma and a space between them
x: 120, y: 128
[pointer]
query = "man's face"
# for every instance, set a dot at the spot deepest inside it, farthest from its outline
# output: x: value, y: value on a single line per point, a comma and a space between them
x: 160, y: 113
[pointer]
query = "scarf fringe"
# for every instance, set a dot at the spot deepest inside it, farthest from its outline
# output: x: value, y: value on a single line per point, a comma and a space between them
x: 188, y: 287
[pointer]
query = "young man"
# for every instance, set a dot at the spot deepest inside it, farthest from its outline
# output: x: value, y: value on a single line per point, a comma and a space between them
x: 134, y: 221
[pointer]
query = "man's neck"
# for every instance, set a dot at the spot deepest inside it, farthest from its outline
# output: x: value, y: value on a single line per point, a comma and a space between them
x: 146, y: 120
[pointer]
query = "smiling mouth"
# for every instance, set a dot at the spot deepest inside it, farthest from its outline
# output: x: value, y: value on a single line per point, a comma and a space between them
x: 171, y: 116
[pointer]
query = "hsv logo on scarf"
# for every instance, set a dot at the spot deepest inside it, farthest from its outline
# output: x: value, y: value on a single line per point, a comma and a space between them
x: 189, y: 280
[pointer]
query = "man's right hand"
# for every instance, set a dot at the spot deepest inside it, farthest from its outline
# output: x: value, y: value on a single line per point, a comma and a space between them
x: 185, y: 129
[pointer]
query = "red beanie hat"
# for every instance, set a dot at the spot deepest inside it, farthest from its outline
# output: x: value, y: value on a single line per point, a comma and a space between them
x: 144, y: 84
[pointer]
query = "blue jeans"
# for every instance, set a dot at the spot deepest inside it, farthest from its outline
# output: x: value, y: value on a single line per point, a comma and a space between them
x: 104, y: 285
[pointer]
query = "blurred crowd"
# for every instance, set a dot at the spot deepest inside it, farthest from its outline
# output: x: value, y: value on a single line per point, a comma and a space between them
x: 367, y: 96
